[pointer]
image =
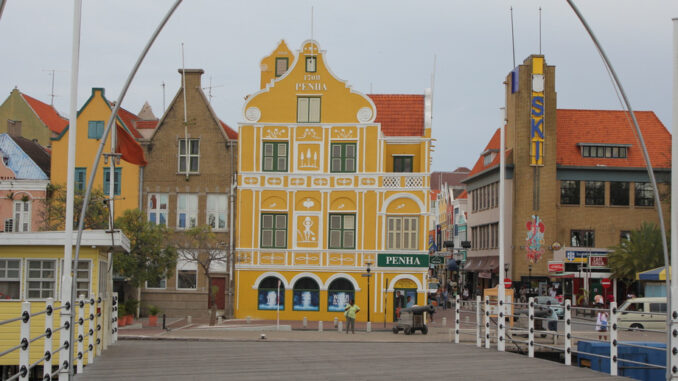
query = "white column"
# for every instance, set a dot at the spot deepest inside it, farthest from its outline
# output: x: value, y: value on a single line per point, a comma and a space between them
x: 530, y: 328
x: 487, y: 322
x: 568, y: 331
x: 612, y: 328
x: 24, y: 352
x: 90, y: 332
x: 501, y: 299
x: 81, y: 332
x: 457, y: 320
x: 49, y: 326
x: 478, y: 322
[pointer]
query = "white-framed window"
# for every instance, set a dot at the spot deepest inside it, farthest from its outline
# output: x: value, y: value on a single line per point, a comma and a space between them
x: 10, y: 279
x: 187, y: 210
x: 189, y: 159
x: 402, y: 233
x: 160, y: 284
x: 103, y: 277
x: 216, y: 211
x: 84, y: 278
x: 41, y: 278
x: 187, y: 275
x: 157, y: 208
x: 22, y: 216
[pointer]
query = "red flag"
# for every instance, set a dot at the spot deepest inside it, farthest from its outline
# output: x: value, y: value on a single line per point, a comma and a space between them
x: 129, y: 148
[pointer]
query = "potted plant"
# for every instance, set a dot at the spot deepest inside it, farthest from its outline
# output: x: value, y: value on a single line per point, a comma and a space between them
x: 130, y: 308
x: 153, y: 315
x: 122, y: 319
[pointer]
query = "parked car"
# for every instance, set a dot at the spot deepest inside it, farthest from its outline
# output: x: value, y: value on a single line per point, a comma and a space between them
x: 552, y: 303
x: 640, y: 313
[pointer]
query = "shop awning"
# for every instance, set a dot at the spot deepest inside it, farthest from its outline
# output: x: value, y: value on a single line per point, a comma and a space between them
x: 486, y: 263
x: 655, y: 274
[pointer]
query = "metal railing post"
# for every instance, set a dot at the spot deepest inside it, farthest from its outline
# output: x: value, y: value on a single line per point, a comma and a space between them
x: 568, y: 332
x: 487, y: 322
x: 114, y: 318
x: 457, y: 320
x: 49, y: 326
x: 501, y: 322
x: 98, y: 321
x: 530, y: 328
x: 90, y: 331
x: 479, y: 341
x: 64, y: 337
x: 612, y: 328
x: 25, y: 354
x: 81, y: 331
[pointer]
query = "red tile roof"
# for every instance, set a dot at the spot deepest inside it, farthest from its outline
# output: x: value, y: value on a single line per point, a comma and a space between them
x: 480, y: 164
x: 463, y: 195
x: 229, y: 131
x: 146, y: 124
x: 129, y: 118
x: 452, y: 179
x: 400, y: 114
x: 48, y: 114
x: 611, y: 127
x: 434, y: 194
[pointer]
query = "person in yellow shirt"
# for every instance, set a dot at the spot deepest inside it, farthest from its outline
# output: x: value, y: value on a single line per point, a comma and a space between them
x: 350, y: 311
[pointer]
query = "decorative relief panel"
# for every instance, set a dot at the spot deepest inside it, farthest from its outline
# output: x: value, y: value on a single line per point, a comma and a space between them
x: 414, y: 181
x: 344, y: 181
x: 308, y: 203
x: 297, y: 181
x: 275, y: 181
x: 337, y: 259
x: 272, y: 259
x: 308, y: 259
x: 275, y: 133
x: 344, y: 133
x: 308, y: 157
x: 307, y: 235
x: 251, y: 180
x: 321, y: 182
x: 368, y: 181
x: 391, y: 182
x: 309, y: 134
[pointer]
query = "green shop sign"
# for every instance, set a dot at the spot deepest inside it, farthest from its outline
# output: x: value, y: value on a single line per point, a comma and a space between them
x: 402, y: 260
x: 437, y: 260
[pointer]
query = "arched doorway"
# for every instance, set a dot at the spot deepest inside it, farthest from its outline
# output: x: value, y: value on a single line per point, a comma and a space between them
x: 404, y: 295
x: 339, y: 293
x: 271, y: 294
x: 306, y: 295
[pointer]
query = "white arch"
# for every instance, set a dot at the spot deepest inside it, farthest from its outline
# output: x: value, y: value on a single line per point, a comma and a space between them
x: 341, y: 275
x: 396, y: 196
x: 308, y: 275
x: 268, y: 274
x: 405, y: 276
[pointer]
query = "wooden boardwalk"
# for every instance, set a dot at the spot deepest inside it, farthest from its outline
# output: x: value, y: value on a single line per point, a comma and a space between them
x: 341, y: 361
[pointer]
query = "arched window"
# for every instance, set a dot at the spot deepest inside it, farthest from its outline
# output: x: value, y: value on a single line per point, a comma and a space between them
x: 271, y: 294
x: 339, y: 294
x: 306, y: 295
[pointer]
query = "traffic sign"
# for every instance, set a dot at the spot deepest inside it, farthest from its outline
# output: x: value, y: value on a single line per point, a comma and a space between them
x: 507, y: 283
x: 605, y: 282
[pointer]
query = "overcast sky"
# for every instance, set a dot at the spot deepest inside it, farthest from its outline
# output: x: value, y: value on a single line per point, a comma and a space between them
x: 384, y: 46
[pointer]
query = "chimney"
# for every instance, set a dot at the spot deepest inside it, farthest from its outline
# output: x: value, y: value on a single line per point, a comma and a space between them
x: 14, y: 127
x: 192, y: 77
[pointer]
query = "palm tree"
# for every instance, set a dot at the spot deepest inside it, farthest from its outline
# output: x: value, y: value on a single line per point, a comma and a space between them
x: 643, y: 251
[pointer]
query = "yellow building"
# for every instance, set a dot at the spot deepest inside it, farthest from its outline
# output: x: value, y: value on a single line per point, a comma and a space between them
x: 31, y: 270
x: 331, y: 183
x: 92, y: 119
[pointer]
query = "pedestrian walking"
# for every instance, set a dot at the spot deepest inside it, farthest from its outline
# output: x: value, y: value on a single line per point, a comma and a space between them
x: 350, y: 312
x: 446, y: 295
x: 601, y: 323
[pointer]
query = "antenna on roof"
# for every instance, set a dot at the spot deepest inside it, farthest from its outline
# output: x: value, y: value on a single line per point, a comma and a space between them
x: 163, y: 97
x: 311, y: 22
x: 209, y: 89
x: 513, y: 40
x: 540, y: 30
x: 51, y: 73
x: 433, y: 79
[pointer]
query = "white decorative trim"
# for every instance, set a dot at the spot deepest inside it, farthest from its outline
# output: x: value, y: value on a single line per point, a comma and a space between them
x: 405, y: 276
x: 329, y: 280
x: 364, y: 115
x: 396, y: 196
x: 268, y: 274
x: 321, y: 285
x: 253, y: 114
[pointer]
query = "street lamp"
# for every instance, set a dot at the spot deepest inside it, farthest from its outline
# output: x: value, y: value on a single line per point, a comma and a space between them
x: 368, y: 276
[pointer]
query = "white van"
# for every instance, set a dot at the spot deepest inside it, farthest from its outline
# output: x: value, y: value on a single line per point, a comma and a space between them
x: 642, y: 313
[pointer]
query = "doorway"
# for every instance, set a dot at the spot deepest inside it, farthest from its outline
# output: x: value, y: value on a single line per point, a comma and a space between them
x: 220, y: 300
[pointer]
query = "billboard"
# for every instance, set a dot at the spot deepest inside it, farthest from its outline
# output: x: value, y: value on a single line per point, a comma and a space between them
x: 268, y: 299
x: 306, y: 300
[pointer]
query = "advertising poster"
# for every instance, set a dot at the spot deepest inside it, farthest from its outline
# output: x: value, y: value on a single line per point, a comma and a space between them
x: 268, y: 299
x: 337, y: 300
x: 305, y: 300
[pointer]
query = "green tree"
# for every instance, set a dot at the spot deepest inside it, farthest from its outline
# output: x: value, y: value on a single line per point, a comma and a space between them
x: 643, y: 251
x: 151, y: 254
x: 199, y: 245
x: 54, y: 213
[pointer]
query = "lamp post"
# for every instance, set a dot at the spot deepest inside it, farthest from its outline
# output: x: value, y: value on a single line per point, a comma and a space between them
x: 368, y: 275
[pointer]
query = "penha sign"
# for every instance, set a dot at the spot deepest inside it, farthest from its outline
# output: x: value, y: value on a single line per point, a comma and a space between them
x: 402, y: 260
